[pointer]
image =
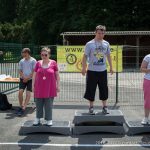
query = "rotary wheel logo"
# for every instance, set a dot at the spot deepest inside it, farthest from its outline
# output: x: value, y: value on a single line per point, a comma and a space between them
x: 71, y: 59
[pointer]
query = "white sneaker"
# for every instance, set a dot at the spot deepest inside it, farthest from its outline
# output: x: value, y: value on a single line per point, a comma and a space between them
x: 49, y: 123
x: 36, y: 122
x: 145, y: 121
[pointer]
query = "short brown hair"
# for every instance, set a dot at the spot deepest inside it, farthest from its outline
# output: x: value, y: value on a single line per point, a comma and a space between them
x: 26, y: 50
x: 100, y: 27
x: 46, y: 49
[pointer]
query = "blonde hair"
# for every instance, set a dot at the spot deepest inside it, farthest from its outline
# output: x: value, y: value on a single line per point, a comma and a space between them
x: 46, y: 49
x: 100, y: 27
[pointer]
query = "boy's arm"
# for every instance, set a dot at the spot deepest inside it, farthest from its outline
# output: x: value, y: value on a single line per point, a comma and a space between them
x: 21, y: 74
x: 20, y: 70
x: 84, y: 64
x: 84, y: 59
x: 110, y: 63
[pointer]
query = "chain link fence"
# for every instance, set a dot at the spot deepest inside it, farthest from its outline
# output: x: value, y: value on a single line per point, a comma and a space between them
x: 124, y: 87
x: 130, y: 81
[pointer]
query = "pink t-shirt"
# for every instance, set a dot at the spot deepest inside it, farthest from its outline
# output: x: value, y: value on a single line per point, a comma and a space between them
x: 45, y: 80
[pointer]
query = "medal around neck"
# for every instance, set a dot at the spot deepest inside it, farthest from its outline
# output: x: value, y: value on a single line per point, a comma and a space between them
x: 44, y: 78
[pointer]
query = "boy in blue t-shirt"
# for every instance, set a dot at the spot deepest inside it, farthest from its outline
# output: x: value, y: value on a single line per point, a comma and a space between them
x: 26, y: 68
x: 96, y: 52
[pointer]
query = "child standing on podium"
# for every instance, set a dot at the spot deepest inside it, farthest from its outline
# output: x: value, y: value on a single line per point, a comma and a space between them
x: 96, y: 52
x: 46, y: 84
x: 145, y: 67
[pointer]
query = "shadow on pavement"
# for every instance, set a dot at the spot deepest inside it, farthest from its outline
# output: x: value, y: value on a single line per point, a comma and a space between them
x: 93, y: 139
x: 30, y: 139
x: 146, y: 140
x: 11, y: 114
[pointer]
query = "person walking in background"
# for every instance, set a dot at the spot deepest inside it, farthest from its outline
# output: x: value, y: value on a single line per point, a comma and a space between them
x: 145, y: 67
x: 96, y: 52
x: 26, y: 68
x: 46, y: 84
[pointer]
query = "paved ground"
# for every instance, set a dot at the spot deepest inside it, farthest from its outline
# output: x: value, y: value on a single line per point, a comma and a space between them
x: 10, y: 125
x: 69, y: 100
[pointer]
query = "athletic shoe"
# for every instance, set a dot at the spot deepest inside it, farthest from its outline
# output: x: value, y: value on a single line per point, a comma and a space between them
x: 20, y: 112
x: 36, y: 122
x: 49, y: 123
x: 91, y: 110
x: 145, y: 121
x: 105, y: 110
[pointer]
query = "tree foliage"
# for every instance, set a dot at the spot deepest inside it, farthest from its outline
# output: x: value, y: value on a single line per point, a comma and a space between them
x: 42, y: 21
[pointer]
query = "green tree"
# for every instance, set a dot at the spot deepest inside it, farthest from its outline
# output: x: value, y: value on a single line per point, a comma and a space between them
x: 8, y: 10
x: 42, y: 21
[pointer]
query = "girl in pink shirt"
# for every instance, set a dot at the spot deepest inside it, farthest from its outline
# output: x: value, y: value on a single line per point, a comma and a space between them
x: 145, y: 67
x: 45, y: 86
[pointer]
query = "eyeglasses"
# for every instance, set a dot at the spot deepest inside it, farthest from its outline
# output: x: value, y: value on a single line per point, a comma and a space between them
x: 44, y: 55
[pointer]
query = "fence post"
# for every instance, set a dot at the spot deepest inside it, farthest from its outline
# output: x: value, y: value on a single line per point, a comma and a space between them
x: 137, y: 51
x: 117, y: 74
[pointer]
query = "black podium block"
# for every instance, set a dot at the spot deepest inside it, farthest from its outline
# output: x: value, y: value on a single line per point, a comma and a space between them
x: 135, y: 127
x: 113, y: 116
x: 58, y: 127
x: 87, y: 123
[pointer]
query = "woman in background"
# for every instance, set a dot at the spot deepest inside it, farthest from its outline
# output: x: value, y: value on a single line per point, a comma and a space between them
x: 45, y: 86
x: 145, y: 67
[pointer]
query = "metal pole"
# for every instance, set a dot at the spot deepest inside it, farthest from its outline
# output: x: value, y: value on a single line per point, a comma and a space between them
x: 117, y: 74
x: 64, y: 41
x: 137, y: 52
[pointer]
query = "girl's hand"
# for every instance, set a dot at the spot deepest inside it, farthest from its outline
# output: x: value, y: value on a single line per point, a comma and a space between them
x: 58, y: 89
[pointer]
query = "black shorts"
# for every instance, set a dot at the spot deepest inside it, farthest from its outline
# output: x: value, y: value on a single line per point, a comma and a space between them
x: 24, y: 86
x: 93, y: 79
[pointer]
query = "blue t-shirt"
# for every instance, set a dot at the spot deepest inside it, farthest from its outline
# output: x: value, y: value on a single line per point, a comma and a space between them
x: 96, y: 52
x: 27, y: 66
